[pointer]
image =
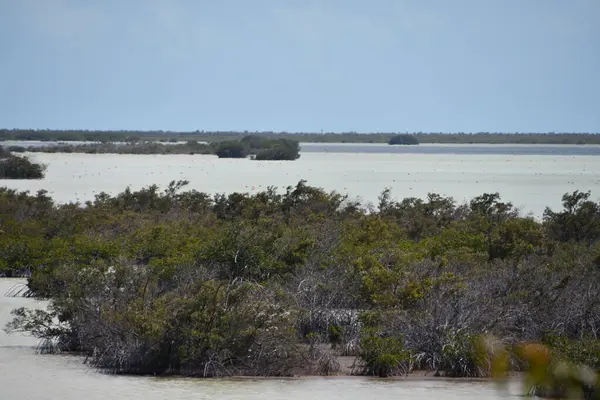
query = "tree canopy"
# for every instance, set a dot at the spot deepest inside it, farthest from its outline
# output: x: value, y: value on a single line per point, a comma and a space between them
x: 284, y: 282
x: 16, y: 167
x: 259, y: 148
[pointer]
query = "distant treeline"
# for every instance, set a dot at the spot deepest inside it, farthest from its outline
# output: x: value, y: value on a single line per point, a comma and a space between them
x: 15, y: 167
x: 349, y: 137
x: 256, y: 147
x: 259, y: 148
x: 141, y: 147
x: 403, y: 140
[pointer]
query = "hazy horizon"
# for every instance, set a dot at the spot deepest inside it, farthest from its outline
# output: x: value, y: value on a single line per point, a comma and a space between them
x: 289, y: 132
x: 301, y: 66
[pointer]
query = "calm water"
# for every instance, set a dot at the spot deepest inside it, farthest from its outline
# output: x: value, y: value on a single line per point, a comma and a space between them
x: 25, y: 375
x: 432, y: 148
x: 530, y: 176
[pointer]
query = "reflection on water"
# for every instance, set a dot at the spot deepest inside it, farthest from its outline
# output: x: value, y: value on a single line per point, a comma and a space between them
x: 25, y: 375
x: 531, y: 182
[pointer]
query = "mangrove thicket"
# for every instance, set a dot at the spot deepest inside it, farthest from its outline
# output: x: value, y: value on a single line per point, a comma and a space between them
x: 257, y: 147
x: 276, y: 283
x: 17, y: 167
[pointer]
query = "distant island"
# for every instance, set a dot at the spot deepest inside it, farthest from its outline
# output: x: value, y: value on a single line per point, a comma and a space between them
x: 15, y: 167
x: 403, y: 140
x: 325, y: 137
x: 256, y: 147
x: 259, y: 148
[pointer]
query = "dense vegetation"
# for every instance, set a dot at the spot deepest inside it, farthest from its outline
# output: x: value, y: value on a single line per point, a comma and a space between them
x: 349, y: 137
x: 142, y: 147
x: 403, y: 140
x: 279, y: 149
x: 260, y: 148
x: 231, y: 149
x: 277, y: 284
x: 15, y: 167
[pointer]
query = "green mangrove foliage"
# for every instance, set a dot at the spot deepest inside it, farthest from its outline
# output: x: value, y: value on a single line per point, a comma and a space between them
x: 282, y: 283
x: 279, y: 149
x: 231, y: 149
x: 15, y: 167
x: 260, y: 148
x: 133, y: 147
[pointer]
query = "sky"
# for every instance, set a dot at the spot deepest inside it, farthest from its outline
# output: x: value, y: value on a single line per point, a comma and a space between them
x: 301, y: 65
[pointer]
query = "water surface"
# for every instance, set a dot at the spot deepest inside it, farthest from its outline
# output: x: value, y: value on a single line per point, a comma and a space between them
x: 529, y: 181
x: 437, y: 148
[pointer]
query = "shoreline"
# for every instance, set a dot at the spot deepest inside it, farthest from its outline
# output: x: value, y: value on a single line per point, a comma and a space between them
x: 412, y: 377
x: 75, y: 135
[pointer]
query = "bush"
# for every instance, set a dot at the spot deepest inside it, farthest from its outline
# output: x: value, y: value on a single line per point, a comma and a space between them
x: 13, y: 167
x: 584, y: 351
x: 380, y: 354
x: 282, y: 149
x: 383, y: 357
x: 459, y: 356
x: 256, y: 142
x: 199, y: 326
x: 261, y: 148
x: 17, y: 149
x: 231, y: 149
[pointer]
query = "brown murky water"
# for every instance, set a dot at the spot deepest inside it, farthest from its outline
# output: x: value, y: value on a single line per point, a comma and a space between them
x: 25, y: 375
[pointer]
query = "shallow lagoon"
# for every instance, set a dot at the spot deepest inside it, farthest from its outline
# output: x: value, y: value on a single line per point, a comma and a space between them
x: 530, y: 176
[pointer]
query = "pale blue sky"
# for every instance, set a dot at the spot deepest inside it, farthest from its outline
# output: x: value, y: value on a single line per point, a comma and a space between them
x: 333, y: 65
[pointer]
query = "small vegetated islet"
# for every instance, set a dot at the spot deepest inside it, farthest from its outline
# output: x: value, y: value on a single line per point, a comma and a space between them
x: 403, y: 140
x: 278, y: 284
x: 17, y: 167
x: 259, y: 148
x: 323, y: 137
x: 256, y: 147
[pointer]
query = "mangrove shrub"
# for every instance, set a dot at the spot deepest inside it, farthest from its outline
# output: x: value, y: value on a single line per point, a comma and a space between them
x: 19, y: 167
x: 283, y: 282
